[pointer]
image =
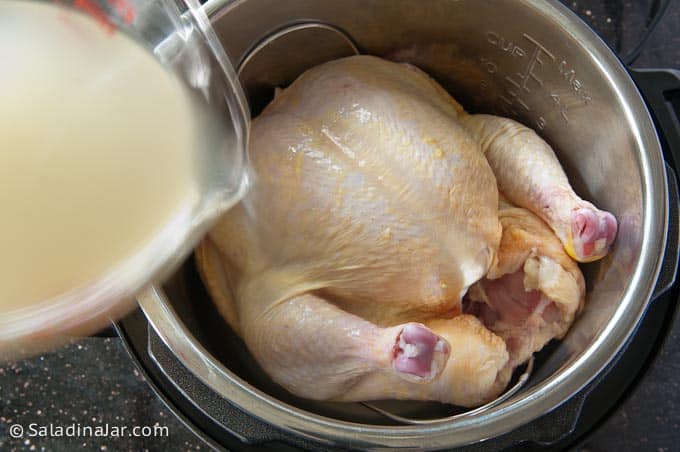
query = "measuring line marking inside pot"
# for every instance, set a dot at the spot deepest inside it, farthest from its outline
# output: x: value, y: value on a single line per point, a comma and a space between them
x: 529, y: 75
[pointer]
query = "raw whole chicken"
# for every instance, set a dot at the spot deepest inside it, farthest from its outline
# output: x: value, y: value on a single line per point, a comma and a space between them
x: 374, y: 258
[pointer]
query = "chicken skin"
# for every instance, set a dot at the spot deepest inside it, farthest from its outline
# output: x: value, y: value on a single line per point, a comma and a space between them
x: 374, y: 209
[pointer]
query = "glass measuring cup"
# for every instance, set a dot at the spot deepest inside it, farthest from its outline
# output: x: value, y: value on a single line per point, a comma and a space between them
x: 125, y: 132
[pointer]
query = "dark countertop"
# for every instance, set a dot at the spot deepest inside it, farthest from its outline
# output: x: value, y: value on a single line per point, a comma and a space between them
x: 93, y: 382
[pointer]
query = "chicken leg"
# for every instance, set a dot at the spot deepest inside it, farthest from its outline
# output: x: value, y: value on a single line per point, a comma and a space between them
x: 476, y: 372
x: 319, y: 351
x: 529, y: 174
x: 316, y: 350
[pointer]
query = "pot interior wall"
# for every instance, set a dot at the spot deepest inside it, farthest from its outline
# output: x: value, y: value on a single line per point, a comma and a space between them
x: 493, y: 60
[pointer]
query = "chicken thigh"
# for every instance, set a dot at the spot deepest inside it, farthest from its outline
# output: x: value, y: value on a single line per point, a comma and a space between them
x: 373, y: 211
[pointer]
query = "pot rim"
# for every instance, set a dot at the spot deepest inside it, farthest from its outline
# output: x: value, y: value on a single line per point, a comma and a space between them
x: 516, y: 411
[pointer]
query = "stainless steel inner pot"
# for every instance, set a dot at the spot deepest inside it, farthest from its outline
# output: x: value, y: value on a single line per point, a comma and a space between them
x: 532, y: 60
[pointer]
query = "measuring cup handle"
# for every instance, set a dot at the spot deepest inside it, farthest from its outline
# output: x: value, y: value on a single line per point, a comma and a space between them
x: 661, y: 90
